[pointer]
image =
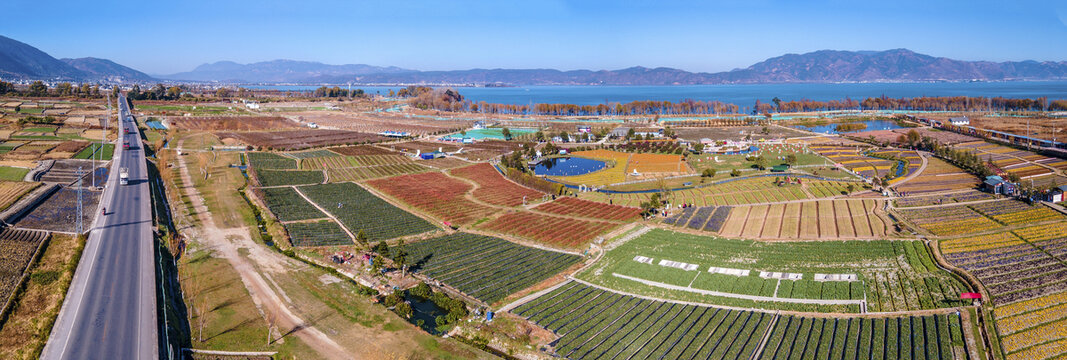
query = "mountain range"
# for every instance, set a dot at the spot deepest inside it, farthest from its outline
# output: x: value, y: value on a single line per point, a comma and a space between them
x: 20, y: 61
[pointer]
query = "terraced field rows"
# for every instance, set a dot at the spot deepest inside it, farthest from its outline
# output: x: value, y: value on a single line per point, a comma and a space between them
x: 597, y: 324
x: 435, y: 193
x: 493, y: 188
x: 484, y: 267
x: 358, y: 209
x: 589, y: 209
x: 824, y: 219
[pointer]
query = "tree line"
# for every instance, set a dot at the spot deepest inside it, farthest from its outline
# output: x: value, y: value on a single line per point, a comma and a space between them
x: 451, y: 100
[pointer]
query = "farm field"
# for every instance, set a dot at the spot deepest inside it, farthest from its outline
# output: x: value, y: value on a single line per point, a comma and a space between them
x: 362, y: 150
x: 266, y: 160
x: 1014, y: 265
x: 706, y: 218
x: 233, y: 123
x: 950, y: 198
x: 494, y: 188
x: 938, y: 176
x: 594, y: 323
x: 357, y: 209
x: 436, y: 194
x: 890, y: 275
x: 18, y: 249
x: 1022, y: 163
x: 479, y: 151
x: 59, y: 211
x: 823, y: 219
x: 572, y: 206
x: 267, y: 177
x: 1034, y: 329
x: 95, y: 149
x: 300, y: 139
x: 318, y: 233
x: 12, y: 191
x: 1024, y: 273
x: 978, y: 217
x: 10, y: 173
x: 373, y: 172
x: 484, y: 267
x: 548, y: 229
x: 738, y: 191
x: 288, y: 205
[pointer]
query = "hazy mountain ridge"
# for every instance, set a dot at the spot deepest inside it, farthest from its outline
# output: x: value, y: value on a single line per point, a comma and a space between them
x: 276, y: 71
x: 108, y: 70
x: 21, y: 61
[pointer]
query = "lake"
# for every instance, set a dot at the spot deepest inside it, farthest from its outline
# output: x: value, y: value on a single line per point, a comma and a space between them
x: 568, y: 166
x: 743, y: 95
x: 871, y: 126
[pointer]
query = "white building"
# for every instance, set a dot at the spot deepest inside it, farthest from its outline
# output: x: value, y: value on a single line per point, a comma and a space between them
x: 960, y: 121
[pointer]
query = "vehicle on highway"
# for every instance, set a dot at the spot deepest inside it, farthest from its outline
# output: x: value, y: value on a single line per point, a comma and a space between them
x: 124, y: 176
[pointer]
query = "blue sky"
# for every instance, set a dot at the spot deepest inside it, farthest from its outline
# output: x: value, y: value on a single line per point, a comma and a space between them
x: 161, y: 37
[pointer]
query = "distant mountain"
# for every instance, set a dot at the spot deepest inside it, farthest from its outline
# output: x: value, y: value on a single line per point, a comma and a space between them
x: 107, y: 69
x: 814, y: 67
x: 277, y: 71
x: 21, y: 61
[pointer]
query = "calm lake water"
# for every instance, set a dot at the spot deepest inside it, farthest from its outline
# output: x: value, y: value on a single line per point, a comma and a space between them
x: 871, y: 126
x: 742, y: 95
x: 568, y: 166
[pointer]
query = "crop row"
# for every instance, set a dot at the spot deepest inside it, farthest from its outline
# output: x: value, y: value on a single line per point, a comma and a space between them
x: 708, y: 218
x: 266, y: 160
x: 594, y: 323
x: 435, y: 193
x: 373, y: 172
x: 319, y: 233
x: 493, y: 188
x: 1012, y: 270
x: 17, y: 248
x: 552, y: 230
x: 589, y: 209
x: 358, y: 209
x: 484, y: 267
x: 961, y: 197
x: 288, y: 205
x: 288, y: 177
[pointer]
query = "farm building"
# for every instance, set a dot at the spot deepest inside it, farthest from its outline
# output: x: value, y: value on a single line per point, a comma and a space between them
x: 960, y: 121
x: 585, y: 129
x: 1057, y: 194
x: 997, y: 185
x: 620, y: 131
x: 430, y: 155
x: 396, y: 134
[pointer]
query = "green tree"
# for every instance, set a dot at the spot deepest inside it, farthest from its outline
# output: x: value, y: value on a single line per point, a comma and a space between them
x: 361, y: 238
x: 401, y: 258
x: 506, y: 133
x: 760, y: 162
x: 735, y: 173
x: 37, y: 88
x: 222, y: 93
x: 791, y: 159
x: 540, y: 135
x: 630, y: 133
x: 708, y: 173
x: 698, y: 147
x: 404, y: 309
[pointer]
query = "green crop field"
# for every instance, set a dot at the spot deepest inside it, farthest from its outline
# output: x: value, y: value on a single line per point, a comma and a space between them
x: 321, y: 233
x: 11, y: 173
x: 289, y: 177
x: 598, y: 324
x: 358, y: 209
x: 109, y: 151
x: 288, y: 205
x: 484, y: 267
x: 890, y: 275
x: 264, y: 160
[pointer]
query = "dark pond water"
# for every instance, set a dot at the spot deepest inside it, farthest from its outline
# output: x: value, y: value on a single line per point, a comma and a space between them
x: 568, y: 166
x: 426, y: 311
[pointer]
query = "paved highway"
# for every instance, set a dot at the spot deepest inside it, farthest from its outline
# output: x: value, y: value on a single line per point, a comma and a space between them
x: 110, y: 308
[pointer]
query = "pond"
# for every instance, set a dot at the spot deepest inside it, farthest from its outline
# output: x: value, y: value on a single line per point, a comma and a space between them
x: 426, y: 311
x: 568, y: 166
x: 490, y: 133
x: 871, y: 126
x: 155, y: 125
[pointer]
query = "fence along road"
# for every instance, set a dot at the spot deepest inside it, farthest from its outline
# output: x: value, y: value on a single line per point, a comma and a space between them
x: 110, y: 308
